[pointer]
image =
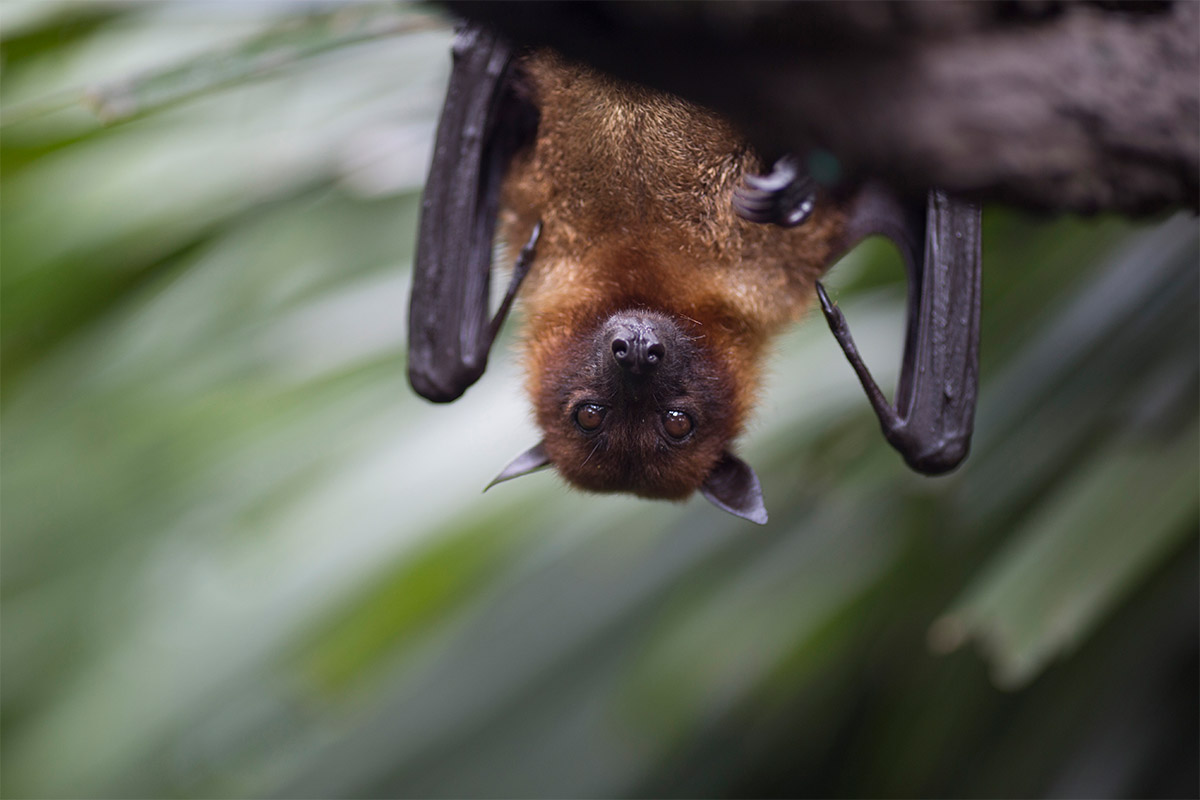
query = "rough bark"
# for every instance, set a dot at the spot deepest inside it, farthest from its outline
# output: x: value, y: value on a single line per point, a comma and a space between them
x: 1079, y: 107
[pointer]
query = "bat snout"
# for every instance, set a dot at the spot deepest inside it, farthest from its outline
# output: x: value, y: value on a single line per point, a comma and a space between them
x: 637, y: 349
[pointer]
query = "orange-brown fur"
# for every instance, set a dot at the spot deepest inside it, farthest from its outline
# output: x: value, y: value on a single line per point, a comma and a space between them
x: 633, y: 188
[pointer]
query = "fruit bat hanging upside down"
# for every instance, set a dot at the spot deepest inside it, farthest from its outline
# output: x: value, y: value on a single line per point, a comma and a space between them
x: 657, y: 264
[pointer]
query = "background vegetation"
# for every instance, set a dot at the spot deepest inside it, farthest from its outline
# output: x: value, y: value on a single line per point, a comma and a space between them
x: 240, y: 558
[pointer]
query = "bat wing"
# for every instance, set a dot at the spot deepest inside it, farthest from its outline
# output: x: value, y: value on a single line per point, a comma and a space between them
x: 487, y: 117
x: 934, y: 412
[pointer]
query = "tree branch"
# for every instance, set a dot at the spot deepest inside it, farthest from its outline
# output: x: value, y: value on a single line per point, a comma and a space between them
x: 1050, y: 106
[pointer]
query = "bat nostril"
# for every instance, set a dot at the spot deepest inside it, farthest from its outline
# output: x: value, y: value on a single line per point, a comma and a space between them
x: 639, y: 354
x: 655, y: 353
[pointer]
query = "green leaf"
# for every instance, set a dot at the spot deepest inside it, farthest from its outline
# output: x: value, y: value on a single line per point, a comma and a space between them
x: 1075, y: 561
x: 280, y: 47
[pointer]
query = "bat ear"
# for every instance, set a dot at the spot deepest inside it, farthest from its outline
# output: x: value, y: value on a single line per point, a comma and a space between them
x: 733, y: 486
x: 531, y: 460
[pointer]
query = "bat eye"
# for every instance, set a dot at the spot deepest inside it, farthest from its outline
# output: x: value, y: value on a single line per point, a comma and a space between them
x: 677, y: 424
x: 589, y: 416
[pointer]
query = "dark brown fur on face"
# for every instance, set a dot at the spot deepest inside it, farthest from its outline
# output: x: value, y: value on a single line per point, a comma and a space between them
x: 633, y: 449
x: 633, y: 189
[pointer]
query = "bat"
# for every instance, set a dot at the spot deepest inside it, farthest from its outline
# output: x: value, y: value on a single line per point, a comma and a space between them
x: 655, y: 265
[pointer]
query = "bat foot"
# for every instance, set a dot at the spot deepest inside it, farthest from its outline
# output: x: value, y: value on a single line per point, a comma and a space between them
x: 782, y: 197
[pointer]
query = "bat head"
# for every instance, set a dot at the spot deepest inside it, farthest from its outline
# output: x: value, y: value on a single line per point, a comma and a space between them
x: 640, y: 404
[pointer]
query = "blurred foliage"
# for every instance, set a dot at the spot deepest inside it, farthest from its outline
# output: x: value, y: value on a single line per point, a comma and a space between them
x: 239, y: 558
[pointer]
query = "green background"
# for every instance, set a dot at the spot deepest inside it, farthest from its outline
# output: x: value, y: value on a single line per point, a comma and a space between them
x: 241, y: 558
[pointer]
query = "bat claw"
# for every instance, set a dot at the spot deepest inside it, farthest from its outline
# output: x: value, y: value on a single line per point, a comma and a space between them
x: 782, y: 197
x: 826, y: 304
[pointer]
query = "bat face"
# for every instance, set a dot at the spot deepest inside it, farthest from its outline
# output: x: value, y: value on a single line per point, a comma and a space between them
x: 637, y: 404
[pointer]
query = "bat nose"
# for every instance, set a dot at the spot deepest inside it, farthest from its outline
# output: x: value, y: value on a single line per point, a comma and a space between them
x: 638, y: 351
